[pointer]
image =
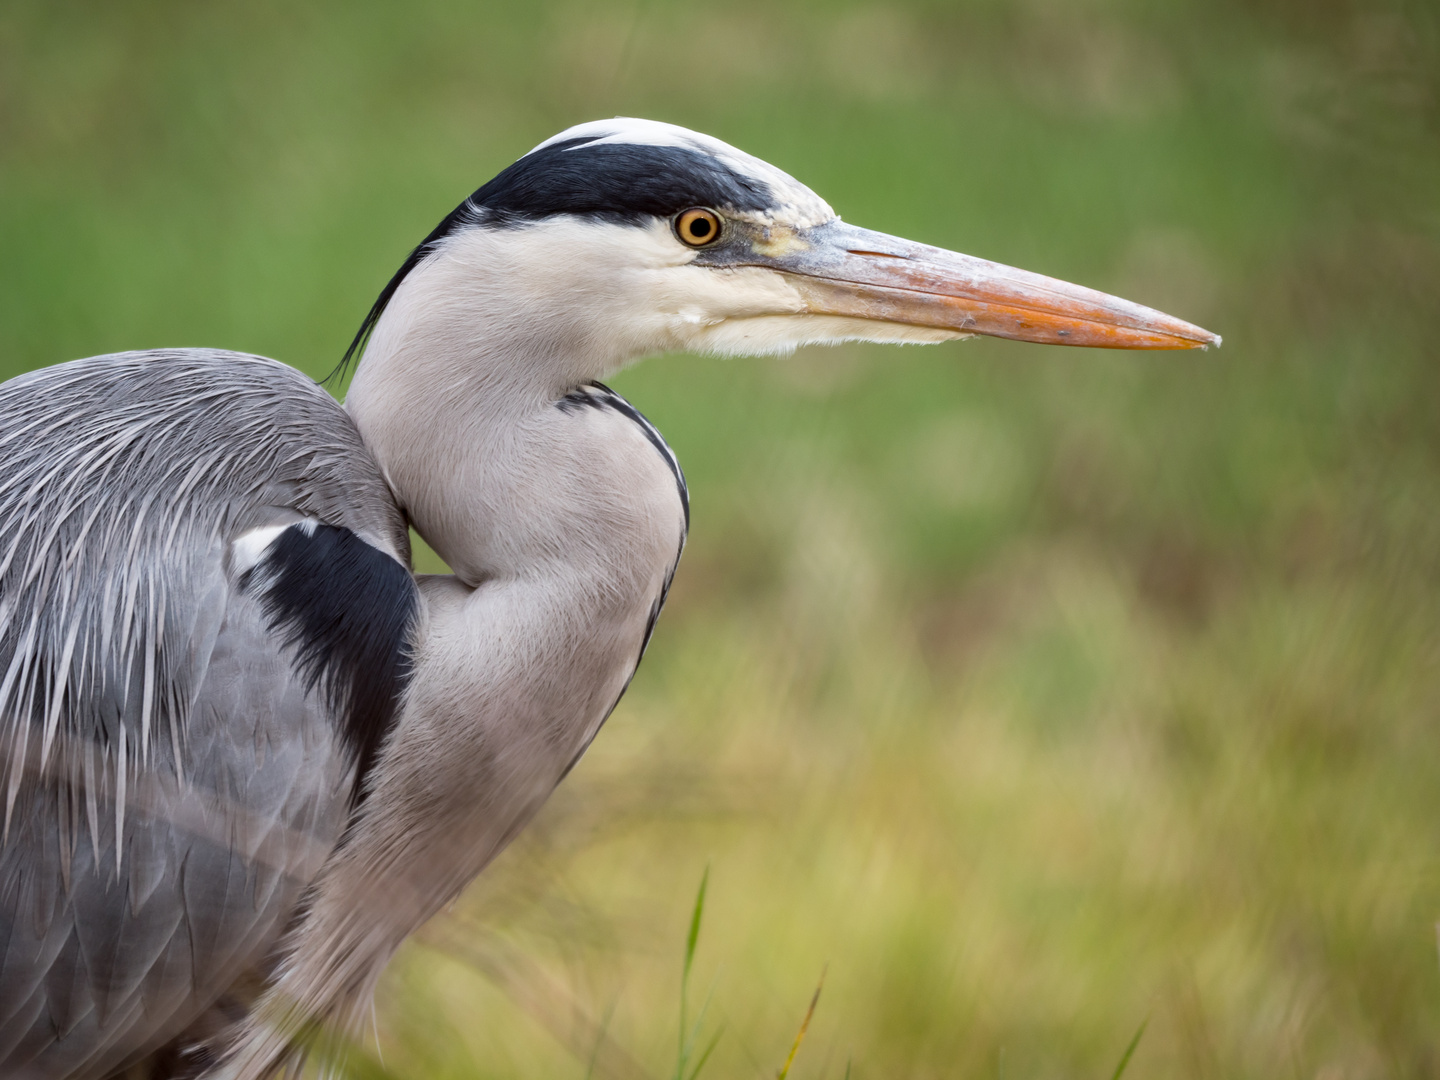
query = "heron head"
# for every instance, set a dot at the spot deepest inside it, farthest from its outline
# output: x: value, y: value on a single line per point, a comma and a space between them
x: 622, y: 238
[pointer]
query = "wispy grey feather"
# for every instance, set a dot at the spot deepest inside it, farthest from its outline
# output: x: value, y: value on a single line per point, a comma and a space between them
x: 125, y: 476
x: 171, y: 782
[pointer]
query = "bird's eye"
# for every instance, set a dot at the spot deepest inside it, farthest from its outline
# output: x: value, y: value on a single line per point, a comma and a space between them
x: 698, y: 227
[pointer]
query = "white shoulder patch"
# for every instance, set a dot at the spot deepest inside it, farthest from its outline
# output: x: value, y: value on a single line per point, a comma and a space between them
x: 249, y: 548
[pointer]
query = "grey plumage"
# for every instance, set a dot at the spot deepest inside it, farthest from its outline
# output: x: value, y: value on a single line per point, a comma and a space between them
x: 170, y: 781
x: 215, y: 662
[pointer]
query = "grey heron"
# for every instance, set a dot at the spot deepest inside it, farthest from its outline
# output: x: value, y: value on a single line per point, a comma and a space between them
x: 246, y: 750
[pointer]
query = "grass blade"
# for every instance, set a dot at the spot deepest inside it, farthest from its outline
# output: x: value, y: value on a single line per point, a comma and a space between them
x: 695, y: 917
x: 709, y: 1049
x: 600, y: 1040
x: 1129, y: 1050
x: 687, y: 1037
x: 804, y: 1027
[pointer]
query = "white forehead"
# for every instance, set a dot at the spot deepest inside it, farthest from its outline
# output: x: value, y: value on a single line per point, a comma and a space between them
x: 796, y: 204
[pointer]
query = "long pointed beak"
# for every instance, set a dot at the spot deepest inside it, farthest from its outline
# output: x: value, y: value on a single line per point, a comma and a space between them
x: 840, y: 269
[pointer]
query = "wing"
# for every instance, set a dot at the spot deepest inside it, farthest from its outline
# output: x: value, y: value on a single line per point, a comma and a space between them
x: 204, y: 604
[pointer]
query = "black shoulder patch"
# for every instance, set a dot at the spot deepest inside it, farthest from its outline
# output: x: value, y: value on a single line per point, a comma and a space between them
x: 346, y: 610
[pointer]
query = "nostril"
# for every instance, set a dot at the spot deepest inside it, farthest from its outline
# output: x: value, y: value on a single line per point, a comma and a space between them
x: 874, y: 254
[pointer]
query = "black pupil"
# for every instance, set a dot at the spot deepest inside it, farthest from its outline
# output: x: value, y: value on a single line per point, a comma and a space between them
x: 699, y: 228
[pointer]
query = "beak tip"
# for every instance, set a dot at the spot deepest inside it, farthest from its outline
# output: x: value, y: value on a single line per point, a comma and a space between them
x: 1189, y: 336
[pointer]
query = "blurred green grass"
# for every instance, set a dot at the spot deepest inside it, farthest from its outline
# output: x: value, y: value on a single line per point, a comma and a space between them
x: 1037, y: 692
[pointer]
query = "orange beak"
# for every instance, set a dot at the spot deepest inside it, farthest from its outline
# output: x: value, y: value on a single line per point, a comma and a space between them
x: 843, y: 270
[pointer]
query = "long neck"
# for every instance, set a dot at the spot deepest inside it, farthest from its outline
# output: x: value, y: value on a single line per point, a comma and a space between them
x: 562, y: 522
x: 453, y: 396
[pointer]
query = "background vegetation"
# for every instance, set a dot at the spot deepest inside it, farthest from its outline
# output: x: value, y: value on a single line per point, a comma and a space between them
x: 1037, y: 692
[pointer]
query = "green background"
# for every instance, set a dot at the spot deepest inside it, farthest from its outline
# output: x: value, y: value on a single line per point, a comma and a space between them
x: 1039, y: 693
